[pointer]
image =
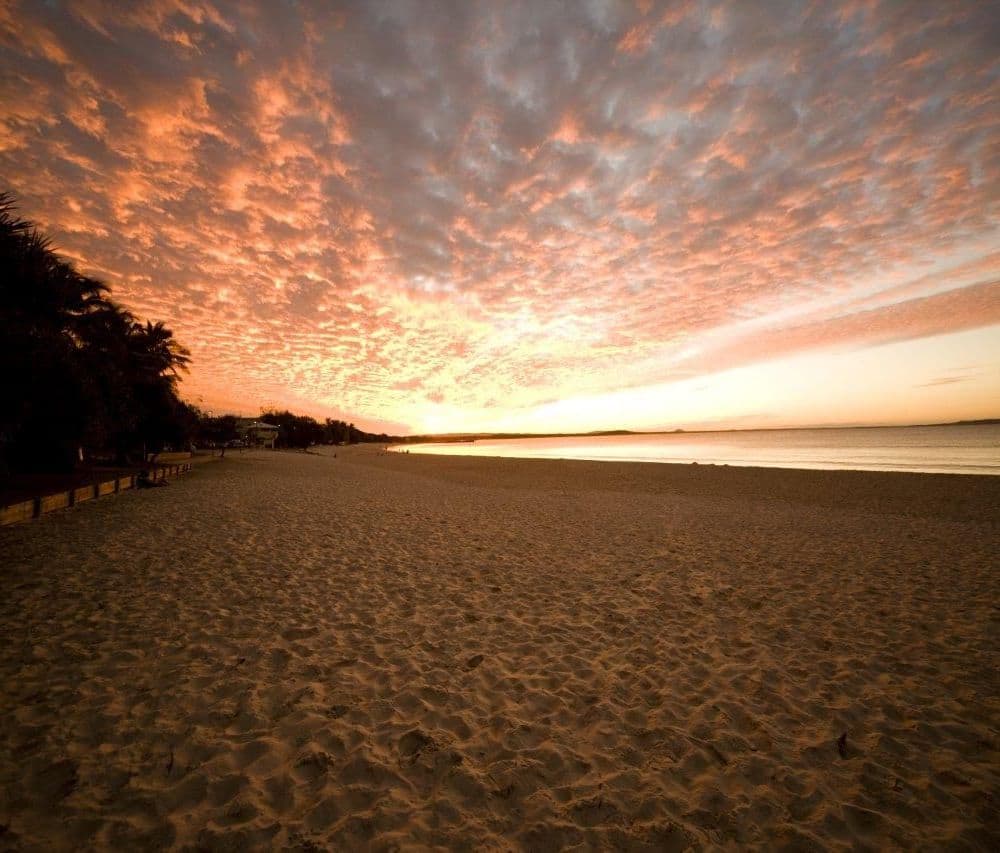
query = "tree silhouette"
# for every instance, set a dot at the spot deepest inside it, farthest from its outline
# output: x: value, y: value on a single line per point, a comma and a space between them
x: 82, y: 372
x: 79, y: 370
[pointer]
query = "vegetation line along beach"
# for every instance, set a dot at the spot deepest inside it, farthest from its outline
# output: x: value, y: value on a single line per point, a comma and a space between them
x: 91, y: 390
x: 588, y: 413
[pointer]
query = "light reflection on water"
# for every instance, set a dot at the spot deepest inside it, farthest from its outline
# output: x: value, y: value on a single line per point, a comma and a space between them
x: 967, y: 449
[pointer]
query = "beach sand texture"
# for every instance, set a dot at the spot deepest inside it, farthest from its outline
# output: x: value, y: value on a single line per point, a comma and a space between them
x: 401, y: 652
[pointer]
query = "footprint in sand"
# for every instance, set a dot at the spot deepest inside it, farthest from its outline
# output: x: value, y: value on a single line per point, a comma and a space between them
x: 55, y: 782
x: 313, y: 767
x: 414, y: 742
x: 225, y: 789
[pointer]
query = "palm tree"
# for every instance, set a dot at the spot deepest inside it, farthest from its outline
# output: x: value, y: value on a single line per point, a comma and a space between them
x: 157, y: 353
x: 103, y: 340
x: 38, y: 290
x: 78, y: 368
x: 41, y: 299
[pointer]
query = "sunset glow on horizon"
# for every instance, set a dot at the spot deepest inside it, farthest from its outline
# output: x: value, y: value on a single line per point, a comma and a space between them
x: 447, y: 217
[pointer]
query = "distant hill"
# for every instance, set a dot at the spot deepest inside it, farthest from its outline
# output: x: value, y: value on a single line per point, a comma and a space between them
x: 496, y: 436
x: 499, y: 436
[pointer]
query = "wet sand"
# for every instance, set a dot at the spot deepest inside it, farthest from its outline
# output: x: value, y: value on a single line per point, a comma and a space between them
x: 403, y: 652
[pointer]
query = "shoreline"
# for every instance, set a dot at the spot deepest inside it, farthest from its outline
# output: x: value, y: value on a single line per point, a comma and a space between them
x: 377, y: 650
x: 955, y: 450
x: 972, y: 496
x: 636, y: 461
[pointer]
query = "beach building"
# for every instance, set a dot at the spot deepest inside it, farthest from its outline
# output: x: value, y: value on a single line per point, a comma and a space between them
x: 257, y: 432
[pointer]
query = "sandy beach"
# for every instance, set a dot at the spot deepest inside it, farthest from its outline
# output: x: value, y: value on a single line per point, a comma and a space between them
x: 392, y: 652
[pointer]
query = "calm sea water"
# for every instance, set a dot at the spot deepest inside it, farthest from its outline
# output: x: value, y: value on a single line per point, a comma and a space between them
x: 973, y: 449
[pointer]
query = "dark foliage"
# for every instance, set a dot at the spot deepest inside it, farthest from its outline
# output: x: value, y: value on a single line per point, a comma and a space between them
x: 82, y: 376
x: 215, y: 431
x: 302, y: 431
x: 79, y: 371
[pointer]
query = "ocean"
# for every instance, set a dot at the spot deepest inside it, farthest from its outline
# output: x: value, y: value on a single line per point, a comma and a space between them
x: 959, y: 449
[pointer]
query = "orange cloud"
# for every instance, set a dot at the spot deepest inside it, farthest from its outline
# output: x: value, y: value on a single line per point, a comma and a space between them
x: 381, y: 212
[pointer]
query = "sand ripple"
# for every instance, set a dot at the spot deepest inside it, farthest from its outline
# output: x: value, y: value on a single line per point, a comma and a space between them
x: 371, y: 652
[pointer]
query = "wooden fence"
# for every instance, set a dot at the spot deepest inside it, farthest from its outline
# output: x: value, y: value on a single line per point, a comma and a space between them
x: 44, y: 504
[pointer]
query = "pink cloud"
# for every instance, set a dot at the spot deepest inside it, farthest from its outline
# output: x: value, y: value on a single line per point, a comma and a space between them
x: 377, y: 210
x: 955, y: 310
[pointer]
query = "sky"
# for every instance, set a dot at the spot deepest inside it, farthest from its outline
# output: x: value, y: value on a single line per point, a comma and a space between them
x: 531, y: 216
